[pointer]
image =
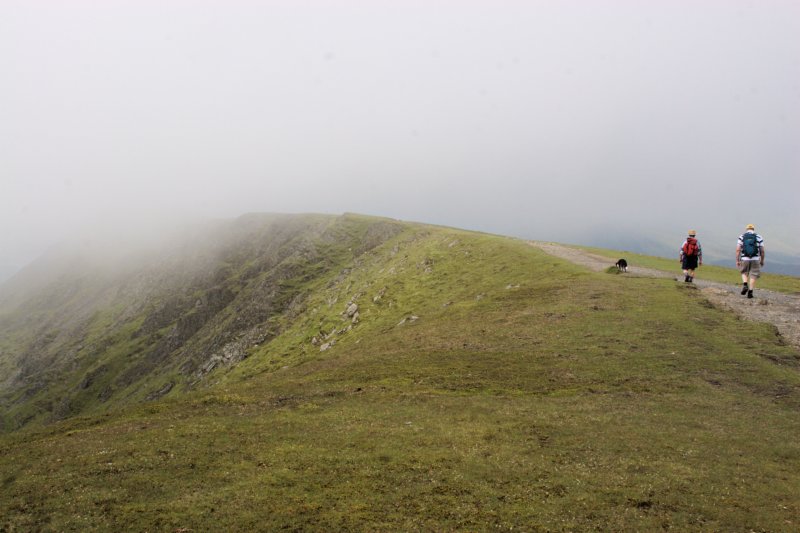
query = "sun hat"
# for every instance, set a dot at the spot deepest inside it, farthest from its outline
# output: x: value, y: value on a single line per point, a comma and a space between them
x: 692, y: 233
x: 750, y: 226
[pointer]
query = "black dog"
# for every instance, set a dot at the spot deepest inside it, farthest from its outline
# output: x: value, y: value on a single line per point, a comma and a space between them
x: 622, y: 265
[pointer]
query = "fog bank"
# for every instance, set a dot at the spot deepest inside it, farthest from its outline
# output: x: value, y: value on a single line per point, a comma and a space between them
x: 575, y: 122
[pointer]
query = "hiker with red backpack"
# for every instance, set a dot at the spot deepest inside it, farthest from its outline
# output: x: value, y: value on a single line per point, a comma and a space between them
x: 691, y: 256
x: 749, y: 258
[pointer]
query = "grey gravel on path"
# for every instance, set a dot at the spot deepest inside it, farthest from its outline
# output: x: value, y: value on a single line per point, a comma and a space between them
x: 781, y: 310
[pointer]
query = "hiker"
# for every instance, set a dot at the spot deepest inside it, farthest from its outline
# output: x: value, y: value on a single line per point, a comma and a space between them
x: 691, y: 256
x: 749, y: 258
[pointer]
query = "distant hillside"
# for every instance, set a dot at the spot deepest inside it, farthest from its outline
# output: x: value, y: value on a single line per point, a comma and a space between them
x: 85, y: 329
x: 358, y: 374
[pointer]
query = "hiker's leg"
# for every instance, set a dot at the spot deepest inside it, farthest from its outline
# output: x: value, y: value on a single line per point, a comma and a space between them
x: 745, y: 276
x: 755, y: 272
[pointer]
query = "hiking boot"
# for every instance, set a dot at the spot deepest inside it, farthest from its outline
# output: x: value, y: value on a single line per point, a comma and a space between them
x: 686, y: 279
x: 744, y: 289
x: 749, y: 294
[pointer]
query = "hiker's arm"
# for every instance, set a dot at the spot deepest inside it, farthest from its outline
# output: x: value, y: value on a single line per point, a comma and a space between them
x: 761, y: 250
x: 738, y: 255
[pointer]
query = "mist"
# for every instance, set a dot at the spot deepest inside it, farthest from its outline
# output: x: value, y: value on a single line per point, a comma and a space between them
x: 610, y: 123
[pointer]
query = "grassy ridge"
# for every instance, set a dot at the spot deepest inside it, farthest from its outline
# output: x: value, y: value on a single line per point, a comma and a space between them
x: 527, y: 393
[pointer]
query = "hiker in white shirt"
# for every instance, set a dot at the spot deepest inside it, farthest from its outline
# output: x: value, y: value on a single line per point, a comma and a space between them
x: 749, y: 258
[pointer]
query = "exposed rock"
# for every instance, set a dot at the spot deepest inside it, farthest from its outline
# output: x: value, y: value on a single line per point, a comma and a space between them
x: 377, y: 298
x: 352, y: 310
x: 209, y: 365
x: 412, y: 318
x: 105, y: 394
x: 327, y: 346
x: 356, y: 316
x: 91, y: 376
x: 235, y: 351
x: 160, y: 392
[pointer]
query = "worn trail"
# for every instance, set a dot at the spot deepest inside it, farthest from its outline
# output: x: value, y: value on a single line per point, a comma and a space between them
x: 781, y: 310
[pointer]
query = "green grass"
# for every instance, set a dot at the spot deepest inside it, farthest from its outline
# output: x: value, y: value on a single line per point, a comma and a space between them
x: 774, y: 282
x: 528, y: 394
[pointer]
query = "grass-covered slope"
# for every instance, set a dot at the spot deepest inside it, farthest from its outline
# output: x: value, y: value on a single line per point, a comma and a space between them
x: 93, y: 336
x: 482, y: 386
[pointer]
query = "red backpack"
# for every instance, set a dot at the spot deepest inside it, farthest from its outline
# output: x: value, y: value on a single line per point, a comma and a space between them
x: 690, y: 248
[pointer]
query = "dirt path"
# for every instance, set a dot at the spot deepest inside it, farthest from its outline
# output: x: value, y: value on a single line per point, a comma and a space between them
x: 782, y: 310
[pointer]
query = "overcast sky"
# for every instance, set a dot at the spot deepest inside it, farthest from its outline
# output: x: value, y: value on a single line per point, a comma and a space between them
x: 555, y: 120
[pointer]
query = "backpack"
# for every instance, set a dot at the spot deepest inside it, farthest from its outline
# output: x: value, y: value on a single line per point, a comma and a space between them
x: 749, y: 245
x: 690, y: 248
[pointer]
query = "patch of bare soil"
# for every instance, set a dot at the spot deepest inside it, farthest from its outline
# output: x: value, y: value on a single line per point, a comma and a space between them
x: 595, y: 262
x: 781, y: 310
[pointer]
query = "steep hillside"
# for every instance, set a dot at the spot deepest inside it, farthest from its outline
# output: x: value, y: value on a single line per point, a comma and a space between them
x: 439, y: 380
x: 82, y: 332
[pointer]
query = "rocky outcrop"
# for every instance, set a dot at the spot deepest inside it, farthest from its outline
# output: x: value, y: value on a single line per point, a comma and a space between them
x: 235, y: 351
x: 163, y: 391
